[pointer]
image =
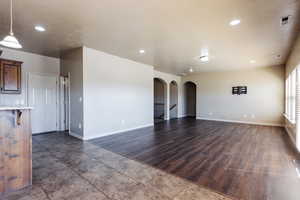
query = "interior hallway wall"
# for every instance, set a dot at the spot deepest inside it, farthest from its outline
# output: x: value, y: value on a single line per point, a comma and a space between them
x: 174, y: 100
x: 118, y: 94
x: 72, y: 64
x: 168, y: 78
x: 159, y: 97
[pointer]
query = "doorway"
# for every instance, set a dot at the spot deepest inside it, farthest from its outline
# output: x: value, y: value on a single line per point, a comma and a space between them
x: 173, y: 100
x: 160, y: 100
x: 190, y: 90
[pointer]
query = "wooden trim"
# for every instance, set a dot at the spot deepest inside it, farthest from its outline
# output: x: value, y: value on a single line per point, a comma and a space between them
x: 11, y: 61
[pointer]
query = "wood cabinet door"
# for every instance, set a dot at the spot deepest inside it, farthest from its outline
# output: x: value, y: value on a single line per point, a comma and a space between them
x: 10, y: 77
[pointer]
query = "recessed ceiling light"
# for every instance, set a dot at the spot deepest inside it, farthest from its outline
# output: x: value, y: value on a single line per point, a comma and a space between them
x: 191, y: 70
x: 142, y: 51
x: 39, y: 28
x: 252, y: 61
x: 204, y: 58
x: 235, y: 22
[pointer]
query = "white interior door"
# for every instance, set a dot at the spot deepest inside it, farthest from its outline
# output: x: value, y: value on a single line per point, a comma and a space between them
x: 42, y: 96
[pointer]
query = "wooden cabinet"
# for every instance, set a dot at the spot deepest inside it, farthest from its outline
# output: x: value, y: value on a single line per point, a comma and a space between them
x: 10, y: 76
x: 15, y: 150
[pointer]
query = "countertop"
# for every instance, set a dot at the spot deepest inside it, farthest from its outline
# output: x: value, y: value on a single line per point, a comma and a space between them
x: 3, y: 108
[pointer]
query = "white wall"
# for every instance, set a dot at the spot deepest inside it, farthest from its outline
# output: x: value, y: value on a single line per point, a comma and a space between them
x: 118, y: 94
x: 263, y: 104
x: 72, y: 65
x: 32, y: 63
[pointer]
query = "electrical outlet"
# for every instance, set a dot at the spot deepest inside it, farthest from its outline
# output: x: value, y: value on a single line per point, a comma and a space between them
x: 252, y: 116
x: 245, y: 115
x: 79, y: 126
x: 80, y: 99
x: 122, y: 121
x: 210, y: 113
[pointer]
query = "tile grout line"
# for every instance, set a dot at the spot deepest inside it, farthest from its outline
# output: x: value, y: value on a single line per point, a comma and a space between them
x: 75, y: 173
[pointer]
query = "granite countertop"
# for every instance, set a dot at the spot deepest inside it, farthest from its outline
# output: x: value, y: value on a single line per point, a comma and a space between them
x: 15, y: 108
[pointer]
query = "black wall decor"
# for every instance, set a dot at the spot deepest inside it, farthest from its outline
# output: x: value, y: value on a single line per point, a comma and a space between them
x: 239, y: 90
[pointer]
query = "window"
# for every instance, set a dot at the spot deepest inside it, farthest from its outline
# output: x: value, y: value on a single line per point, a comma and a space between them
x: 292, y: 105
x: 290, y: 109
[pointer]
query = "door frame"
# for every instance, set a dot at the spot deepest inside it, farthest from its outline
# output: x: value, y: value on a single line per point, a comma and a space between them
x: 64, y: 103
x: 57, y: 110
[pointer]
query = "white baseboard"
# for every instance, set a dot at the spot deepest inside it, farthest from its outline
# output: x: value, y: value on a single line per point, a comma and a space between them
x: 182, y: 116
x: 116, y: 132
x: 76, y: 135
x: 291, y: 136
x: 293, y: 139
x: 240, y: 122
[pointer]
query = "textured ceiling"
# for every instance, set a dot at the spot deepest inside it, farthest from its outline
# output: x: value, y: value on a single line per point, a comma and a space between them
x: 172, y: 32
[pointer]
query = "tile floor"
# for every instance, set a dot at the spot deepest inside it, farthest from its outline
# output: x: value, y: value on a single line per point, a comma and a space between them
x: 66, y: 168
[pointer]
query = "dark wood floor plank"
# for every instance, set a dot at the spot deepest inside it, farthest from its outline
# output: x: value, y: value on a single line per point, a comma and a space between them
x: 244, y: 161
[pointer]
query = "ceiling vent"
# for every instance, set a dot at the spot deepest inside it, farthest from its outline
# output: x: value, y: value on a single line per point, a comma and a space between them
x: 285, y: 20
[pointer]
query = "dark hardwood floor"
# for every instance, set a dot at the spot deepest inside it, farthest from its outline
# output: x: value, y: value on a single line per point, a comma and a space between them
x: 243, y: 161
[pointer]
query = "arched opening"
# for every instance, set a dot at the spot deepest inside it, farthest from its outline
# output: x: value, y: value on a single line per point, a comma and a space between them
x: 160, y: 100
x: 190, y: 90
x: 173, y: 100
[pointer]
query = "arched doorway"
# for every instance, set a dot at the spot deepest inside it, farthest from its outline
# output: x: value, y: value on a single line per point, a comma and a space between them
x: 190, y: 90
x: 160, y: 100
x: 173, y: 100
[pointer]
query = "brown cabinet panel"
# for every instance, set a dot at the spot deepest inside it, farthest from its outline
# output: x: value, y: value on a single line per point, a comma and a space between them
x: 10, y: 76
x: 16, y: 151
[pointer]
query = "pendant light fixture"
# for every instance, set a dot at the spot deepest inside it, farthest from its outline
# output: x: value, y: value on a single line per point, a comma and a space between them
x: 10, y: 40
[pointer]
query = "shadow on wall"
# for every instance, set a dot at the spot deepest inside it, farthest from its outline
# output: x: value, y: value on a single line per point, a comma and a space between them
x: 190, y: 95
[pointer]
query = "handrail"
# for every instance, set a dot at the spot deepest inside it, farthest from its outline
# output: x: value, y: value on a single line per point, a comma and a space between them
x: 174, y: 106
x: 171, y: 108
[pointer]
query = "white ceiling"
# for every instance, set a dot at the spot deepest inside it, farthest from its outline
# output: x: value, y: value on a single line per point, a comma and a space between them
x: 172, y: 32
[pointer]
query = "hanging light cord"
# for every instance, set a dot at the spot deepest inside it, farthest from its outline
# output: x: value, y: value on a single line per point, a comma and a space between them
x: 11, y: 17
